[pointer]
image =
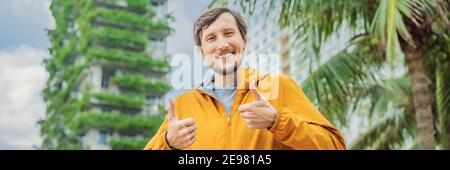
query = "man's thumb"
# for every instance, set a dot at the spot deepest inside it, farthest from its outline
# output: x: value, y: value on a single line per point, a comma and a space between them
x: 172, y: 115
x: 254, y: 91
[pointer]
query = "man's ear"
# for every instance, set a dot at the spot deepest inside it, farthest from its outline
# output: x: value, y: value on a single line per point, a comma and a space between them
x: 200, y: 51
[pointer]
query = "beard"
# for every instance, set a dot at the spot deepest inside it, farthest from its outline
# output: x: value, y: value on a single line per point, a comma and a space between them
x: 225, y: 68
x: 228, y: 70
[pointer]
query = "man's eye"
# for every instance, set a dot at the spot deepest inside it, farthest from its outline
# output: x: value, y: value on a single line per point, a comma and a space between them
x: 229, y: 33
x: 210, y: 39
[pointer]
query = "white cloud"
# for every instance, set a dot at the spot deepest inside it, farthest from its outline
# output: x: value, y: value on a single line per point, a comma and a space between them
x: 22, y: 77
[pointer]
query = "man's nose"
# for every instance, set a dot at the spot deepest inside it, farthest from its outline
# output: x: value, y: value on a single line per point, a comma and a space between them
x: 222, y: 44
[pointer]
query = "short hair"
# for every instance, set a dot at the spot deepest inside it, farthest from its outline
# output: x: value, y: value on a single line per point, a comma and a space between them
x: 208, y: 17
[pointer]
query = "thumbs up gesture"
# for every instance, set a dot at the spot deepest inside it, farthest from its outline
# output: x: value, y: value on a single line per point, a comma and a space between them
x: 181, y: 133
x: 259, y: 113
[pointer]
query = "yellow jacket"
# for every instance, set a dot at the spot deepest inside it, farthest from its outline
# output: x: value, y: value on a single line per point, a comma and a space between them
x: 299, y: 125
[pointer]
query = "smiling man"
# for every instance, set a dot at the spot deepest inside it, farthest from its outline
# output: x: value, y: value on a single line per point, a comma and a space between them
x: 241, y: 108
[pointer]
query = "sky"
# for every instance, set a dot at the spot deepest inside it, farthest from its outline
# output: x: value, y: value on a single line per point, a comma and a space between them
x: 23, y: 47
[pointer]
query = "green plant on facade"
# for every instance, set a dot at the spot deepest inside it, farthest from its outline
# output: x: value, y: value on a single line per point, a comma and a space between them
x: 99, y: 35
x: 124, y: 100
x: 127, y: 143
x: 127, y: 58
x: 114, y: 121
x: 139, y: 82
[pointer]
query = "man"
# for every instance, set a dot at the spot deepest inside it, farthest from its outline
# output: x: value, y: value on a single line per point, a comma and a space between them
x: 233, y: 109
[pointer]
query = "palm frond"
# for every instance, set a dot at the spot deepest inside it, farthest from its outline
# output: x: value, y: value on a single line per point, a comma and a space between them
x: 388, y: 23
x: 334, y: 85
x: 395, y: 118
x: 443, y: 102
x: 314, y: 22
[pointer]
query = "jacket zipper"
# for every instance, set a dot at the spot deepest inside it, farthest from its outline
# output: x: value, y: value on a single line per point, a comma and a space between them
x: 228, y: 122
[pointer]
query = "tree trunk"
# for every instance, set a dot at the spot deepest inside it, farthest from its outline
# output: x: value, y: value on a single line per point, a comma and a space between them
x: 447, y: 122
x: 448, y: 132
x: 421, y: 97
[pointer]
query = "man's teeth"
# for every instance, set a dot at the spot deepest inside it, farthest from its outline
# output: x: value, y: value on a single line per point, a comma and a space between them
x: 225, y: 55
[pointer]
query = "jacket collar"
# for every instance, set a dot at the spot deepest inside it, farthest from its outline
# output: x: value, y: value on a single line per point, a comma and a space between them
x: 246, y: 75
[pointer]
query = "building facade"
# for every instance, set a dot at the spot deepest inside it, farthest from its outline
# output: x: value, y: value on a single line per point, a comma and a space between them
x: 106, y: 81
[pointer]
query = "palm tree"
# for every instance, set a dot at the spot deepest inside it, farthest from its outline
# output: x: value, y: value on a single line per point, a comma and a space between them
x: 349, y: 82
x: 415, y: 31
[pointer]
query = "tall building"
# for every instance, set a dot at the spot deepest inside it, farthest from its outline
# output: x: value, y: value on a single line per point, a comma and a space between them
x: 266, y: 36
x: 267, y: 40
x: 106, y: 81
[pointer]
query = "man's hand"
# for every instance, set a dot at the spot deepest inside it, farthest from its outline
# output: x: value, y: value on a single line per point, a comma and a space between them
x: 259, y: 113
x: 181, y: 133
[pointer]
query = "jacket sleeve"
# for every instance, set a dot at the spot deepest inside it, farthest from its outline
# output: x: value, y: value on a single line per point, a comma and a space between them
x: 299, y: 124
x: 158, y: 142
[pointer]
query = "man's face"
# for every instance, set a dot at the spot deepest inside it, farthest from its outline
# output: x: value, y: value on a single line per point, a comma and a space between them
x: 222, y: 45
